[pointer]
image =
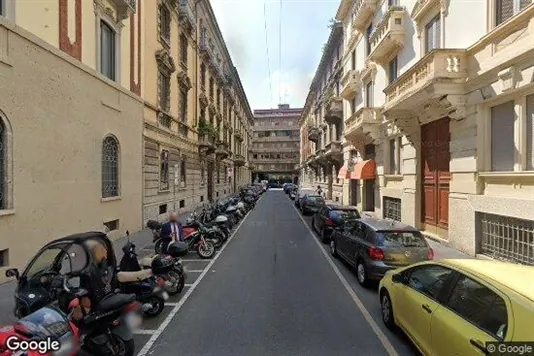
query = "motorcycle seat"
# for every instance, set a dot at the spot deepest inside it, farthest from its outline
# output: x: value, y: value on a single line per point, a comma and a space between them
x: 114, y: 301
x: 137, y: 276
x: 146, y: 261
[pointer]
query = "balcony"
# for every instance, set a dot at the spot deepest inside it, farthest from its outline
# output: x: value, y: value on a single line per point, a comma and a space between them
x: 334, y: 152
x: 389, y: 36
x: 238, y: 136
x: 334, y: 110
x: 441, y: 73
x: 314, y: 133
x: 221, y: 150
x: 125, y: 8
x: 311, y: 161
x: 320, y: 155
x: 363, y: 11
x: 351, y: 83
x: 239, y: 160
x: 187, y: 15
x: 363, y: 122
x: 206, y: 144
x: 206, y: 50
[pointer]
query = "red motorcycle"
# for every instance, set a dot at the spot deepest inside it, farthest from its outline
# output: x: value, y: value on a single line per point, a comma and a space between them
x: 45, y: 332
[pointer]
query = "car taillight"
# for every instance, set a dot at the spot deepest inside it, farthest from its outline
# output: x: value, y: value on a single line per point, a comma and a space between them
x: 376, y: 253
x: 329, y: 222
x: 430, y: 254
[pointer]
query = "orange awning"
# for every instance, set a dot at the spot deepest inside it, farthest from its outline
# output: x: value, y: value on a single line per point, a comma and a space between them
x: 343, y: 173
x: 364, y: 170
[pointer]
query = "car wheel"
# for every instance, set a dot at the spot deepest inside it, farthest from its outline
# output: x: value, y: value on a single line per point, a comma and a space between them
x: 361, y: 273
x: 387, y: 310
x: 333, y: 248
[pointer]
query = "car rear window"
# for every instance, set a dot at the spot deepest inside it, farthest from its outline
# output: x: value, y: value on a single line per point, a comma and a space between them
x: 401, y: 238
x: 344, y: 214
x: 316, y: 198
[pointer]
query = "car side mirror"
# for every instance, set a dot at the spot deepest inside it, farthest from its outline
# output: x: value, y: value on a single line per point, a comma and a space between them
x: 398, y: 278
x: 12, y: 272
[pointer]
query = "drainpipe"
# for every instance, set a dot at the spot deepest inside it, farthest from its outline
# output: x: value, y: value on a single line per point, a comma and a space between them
x: 197, y: 31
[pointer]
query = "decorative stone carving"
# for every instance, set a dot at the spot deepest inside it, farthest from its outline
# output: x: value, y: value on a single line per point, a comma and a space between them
x: 509, y: 78
x: 203, y: 99
x: 184, y: 81
x: 165, y: 61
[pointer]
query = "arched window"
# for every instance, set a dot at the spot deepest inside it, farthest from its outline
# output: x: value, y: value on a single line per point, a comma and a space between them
x: 110, y: 167
x: 3, y: 164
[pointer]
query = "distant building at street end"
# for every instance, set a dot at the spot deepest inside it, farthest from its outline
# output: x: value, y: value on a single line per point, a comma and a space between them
x: 276, y: 143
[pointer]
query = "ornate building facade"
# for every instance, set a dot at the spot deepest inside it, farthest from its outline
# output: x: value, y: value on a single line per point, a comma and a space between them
x: 438, y: 122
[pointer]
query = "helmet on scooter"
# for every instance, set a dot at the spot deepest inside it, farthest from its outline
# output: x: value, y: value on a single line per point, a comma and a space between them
x: 162, y: 264
x: 177, y: 249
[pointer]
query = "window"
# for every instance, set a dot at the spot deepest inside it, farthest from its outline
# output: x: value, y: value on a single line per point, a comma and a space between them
x: 110, y: 167
x: 162, y: 209
x: 433, y: 34
x: 480, y: 306
x: 401, y: 239
x: 392, y: 2
x: 393, y: 70
x: 506, y: 9
x: 183, y: 49
x: 183, y: 106
x: 502, y: 137
x: 353, y: 60
x: 164, y: 91
x: 530, y: 132
x: 212, y: 84
x: 107, y: 51
x: 2, y: 7
x: 164, y: 170
x: 112, y: 225
x: 369, y: 94
x: 429, y: 280
x: 218, y: 173
x: 203, y: 75
x: 395, y: 145
x: 183, y: 172
x: 202, y: 172
x: 368, y: 40
x: 165, y: 24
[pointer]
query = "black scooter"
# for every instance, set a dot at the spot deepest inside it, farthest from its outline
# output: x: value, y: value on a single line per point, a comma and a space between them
x: 148, y: 290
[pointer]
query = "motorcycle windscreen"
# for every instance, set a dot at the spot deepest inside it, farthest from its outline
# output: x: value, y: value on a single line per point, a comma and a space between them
x: 47, y: 322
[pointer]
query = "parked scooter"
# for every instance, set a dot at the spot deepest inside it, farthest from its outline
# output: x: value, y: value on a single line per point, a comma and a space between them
x: 163, y: 266
x: 148, y: 290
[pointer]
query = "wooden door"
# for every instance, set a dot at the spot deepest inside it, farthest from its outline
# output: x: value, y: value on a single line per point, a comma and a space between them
x: 354, y: 192
x: 436, y: 175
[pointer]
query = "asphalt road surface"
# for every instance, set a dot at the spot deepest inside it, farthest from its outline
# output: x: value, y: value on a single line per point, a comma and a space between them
x: 272, y: 290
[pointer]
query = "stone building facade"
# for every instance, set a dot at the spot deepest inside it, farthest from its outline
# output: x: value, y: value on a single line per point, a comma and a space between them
x: 275, y: 150
x: 438, y: 120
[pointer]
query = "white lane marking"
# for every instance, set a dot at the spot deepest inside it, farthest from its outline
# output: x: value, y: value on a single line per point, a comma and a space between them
x: 186, y: 296
x: 171, y: 304
x: 195, y: 270
x: 188, y: 285
x: 144, y: 332
x: 378, y: 332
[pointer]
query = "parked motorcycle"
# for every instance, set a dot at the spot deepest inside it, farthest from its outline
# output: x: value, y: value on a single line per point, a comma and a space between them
x: 148, y: 290
x: 165, y: 267
x: 211, y: 232
x: 193, y: 237
x: 47, y: 323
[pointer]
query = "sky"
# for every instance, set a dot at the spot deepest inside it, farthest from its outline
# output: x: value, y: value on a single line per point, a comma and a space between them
x: 267, y: 77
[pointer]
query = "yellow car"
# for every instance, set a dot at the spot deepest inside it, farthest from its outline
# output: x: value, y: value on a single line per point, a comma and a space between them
x: 454, y: 307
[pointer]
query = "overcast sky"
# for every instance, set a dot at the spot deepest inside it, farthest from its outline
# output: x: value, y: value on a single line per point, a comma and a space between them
x: 304, y: 31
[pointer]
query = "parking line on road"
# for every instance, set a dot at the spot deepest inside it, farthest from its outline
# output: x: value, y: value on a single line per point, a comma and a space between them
x: 195, y: 270
x: 144, y: 332
x: 188, y: 285
x: 171, y: 304
x: 378, y: 332
x: 186, y: 296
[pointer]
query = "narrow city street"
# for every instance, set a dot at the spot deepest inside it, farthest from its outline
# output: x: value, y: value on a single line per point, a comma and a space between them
x: 273, y: 290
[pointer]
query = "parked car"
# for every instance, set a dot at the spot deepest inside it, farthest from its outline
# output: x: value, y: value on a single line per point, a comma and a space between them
x: 300, y: 193
x: 330, y: 216
x: 311, y: 204
x: 460, y: 305
x: 287, y: 187
x: 375, y: 246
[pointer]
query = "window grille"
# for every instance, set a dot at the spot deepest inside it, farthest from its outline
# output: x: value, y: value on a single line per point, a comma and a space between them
x: 392, y: 208
x: 110, y: 167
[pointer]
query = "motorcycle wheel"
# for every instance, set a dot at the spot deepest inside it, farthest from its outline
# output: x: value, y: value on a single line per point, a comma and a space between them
x: 206, y: 250
x: 218, y: 241
x: 157, y: 246
x: 158, y: 304
x: 178, y: 285
x: 122, y: 347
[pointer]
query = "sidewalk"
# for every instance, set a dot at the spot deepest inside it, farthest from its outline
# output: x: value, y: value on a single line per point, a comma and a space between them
x: 141, y: 239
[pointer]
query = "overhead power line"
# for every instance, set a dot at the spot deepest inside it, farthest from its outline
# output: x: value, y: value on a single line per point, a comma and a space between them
x: 267, y: 49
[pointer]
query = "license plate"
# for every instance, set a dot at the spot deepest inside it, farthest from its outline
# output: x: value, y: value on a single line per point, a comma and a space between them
x: 165, y: 295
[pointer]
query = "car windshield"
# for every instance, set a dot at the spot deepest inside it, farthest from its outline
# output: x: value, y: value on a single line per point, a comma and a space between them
x: 401, y: 238
x: 344, y: 214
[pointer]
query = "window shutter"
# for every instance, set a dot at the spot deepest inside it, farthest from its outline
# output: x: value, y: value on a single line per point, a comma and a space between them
x: 502, y: 137
x: 504, y: 10
x: 530, y: 132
